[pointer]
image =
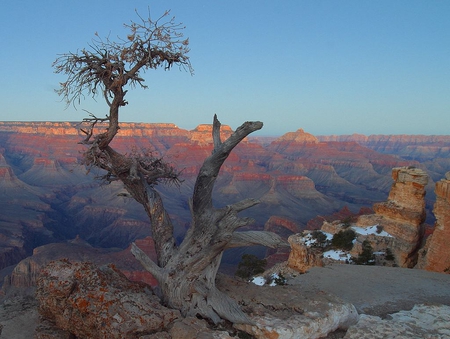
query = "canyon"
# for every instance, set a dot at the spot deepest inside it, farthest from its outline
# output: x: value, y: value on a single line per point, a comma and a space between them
x: 48, y: 196
x: 52, y: 207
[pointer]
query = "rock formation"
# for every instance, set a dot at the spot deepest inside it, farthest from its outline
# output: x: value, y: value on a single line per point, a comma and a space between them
x: 99, y: 302
x: 92, y: 302
x: 26, y: 273
x: 436, y: 254
x: 303, y: 257
x: 405, y: 324
x: 403, y: 214
x: 296, y: 176
x: 286, y: 312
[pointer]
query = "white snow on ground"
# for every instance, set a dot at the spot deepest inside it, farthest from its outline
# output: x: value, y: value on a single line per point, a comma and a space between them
x: 308, y: 240
x: 370, y: 230
x: 260, y: 281
x: 329, y: 236
x: 337, y: 255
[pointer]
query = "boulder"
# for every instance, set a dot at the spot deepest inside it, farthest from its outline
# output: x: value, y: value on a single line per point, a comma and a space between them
x: 303, y: 257
x: 423, y: 321
x: 99, y: 302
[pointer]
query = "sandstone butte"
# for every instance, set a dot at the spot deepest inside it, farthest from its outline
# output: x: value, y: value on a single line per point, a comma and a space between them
x: 436, y: 254
x: 402, y: 216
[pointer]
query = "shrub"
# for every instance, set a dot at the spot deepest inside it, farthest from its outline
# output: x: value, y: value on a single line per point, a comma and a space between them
x: 366, y: 257
x: 344, y: 239
x: 249, y: 266
x: 320, y: 237
x: 389, y: 255
x: 280, y: 280
x: 346, y: 222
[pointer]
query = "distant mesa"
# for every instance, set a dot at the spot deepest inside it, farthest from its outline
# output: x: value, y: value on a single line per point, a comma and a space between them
x: 300, y: 136
x: 202, y: 134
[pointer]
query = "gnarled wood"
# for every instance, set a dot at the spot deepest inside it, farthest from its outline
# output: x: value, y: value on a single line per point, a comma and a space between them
x: 185, y: 273
x: 189, y: 279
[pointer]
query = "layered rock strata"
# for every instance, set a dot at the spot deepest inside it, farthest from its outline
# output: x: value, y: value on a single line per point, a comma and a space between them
x: 303, y: 257
x: 91, y: 302
x: 436, y: 254
x: 403, y: 214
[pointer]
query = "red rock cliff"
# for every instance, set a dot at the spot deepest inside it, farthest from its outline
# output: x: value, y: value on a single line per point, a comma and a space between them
x: 403, y: 214
x: 436, y: 256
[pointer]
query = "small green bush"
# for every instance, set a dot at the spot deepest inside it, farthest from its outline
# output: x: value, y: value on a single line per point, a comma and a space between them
x: 320, y: 237
x: 389, y: 255
x: 280, y: 280
x: 344, y: 239
x: 249, y: 266
x: 366, y: 257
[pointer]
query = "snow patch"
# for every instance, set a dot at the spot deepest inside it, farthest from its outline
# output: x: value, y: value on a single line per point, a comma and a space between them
x: 260, y: 281
x: 371, y: 230
x: 337, y: 255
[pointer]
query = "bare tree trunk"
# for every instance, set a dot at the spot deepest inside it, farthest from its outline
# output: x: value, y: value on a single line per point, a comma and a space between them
x: 186, y: 274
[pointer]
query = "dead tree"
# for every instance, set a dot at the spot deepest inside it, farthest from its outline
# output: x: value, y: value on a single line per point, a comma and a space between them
x: 186, y: 272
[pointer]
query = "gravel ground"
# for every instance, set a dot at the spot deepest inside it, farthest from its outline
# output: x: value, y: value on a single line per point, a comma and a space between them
x: 378, y: 290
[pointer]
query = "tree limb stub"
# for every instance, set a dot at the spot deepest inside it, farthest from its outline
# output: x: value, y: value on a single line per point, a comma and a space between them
x: 216, y: 133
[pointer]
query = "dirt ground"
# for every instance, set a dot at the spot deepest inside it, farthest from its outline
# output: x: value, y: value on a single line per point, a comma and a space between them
x: 377, y: 290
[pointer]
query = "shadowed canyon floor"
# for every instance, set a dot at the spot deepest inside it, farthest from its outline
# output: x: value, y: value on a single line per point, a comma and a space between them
x: 372, y: 290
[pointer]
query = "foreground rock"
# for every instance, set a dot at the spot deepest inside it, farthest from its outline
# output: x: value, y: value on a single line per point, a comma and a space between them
x: 285, y: 312
x: 373, y: 290
x: 423, y: 321
x: 92, y: 302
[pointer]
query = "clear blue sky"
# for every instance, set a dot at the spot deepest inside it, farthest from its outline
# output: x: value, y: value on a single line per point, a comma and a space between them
x: 329, y: 67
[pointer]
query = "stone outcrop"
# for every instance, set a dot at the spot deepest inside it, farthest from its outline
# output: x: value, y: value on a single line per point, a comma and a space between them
x: 303, y: 257
x: 403, y: 214
x: 436, y: 254
x: 99, y: 302
x: 26, y: 273
x: 423, y: 321
x: 285, y: 312
x: 92, y: 302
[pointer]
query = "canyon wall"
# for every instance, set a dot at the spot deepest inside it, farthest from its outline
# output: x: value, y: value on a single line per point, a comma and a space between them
x: 403, y: 214
x: 51, y: 197
x: 436, y: 254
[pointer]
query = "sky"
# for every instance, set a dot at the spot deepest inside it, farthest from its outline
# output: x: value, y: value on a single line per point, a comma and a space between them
x: 329, y: 67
